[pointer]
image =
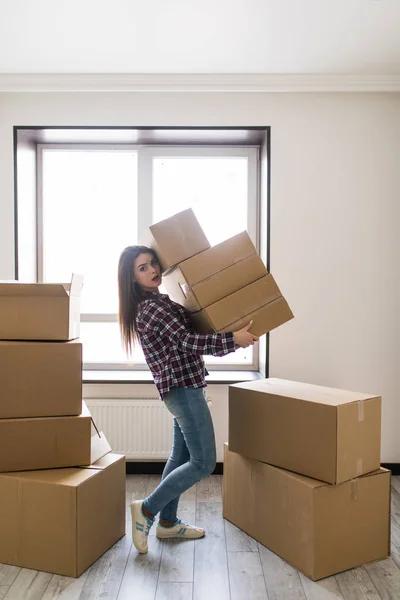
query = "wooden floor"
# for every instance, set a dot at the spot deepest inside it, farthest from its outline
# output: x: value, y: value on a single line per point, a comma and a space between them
x: 225, y: 565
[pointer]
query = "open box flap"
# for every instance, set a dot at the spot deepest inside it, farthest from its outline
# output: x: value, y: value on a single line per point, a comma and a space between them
x: 18, y: 289
x: 75, y: 287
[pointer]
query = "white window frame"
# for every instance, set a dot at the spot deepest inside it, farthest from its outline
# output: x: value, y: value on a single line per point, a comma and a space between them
x: 145, y: 178
x: 145, y: 214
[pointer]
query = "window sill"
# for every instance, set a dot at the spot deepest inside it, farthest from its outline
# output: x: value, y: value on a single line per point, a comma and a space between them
x: 215, y: 377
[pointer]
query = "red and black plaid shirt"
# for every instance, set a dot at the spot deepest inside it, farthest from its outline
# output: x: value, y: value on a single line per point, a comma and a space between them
x: 173, y: 352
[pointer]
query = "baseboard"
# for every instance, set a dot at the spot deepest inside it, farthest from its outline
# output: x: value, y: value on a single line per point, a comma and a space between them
x: 394, y: 467
x: 156, y: 468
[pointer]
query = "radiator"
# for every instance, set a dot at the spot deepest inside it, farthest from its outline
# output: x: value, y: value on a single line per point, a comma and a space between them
x: 139, y: 428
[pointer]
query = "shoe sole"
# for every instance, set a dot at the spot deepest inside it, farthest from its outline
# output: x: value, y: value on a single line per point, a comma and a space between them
x: 133, y: 506
x: 181, y: 537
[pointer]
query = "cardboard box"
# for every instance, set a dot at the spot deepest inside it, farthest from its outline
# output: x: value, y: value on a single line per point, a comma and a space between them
x: 260, y: 301
x: 40, y: 379
x: 318, y: 528
x: 45, y: 442
x: 265, y: 319
x: 40, y: 311
x: 175, y: 239
x: 243, y: 302
x: 328, y: 434
x: 215, y: 273
x: 62, y: 520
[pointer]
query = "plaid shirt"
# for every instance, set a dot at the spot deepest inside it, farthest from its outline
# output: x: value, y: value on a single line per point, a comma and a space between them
x: 174, y: 354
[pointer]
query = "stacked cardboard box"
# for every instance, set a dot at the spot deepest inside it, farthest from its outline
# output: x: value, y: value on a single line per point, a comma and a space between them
x: 302, y: 474
x: 224, y: 286
x: 62, y: 492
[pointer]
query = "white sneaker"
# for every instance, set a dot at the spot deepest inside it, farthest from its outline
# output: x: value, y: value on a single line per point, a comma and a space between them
x: 179, y: 530
x: 140, y: 527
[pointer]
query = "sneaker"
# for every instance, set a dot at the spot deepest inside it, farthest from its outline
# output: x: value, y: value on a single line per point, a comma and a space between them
x: 140, y: 527
x: 179, y: 530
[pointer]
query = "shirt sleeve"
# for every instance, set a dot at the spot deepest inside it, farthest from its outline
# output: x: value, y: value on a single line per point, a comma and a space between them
x: 155, y: 319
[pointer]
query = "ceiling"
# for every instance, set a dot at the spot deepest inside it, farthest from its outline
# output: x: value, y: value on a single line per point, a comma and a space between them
x: 207, y: 36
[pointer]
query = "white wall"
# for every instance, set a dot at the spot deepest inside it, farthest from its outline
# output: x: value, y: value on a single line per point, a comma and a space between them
x: 335, y: 218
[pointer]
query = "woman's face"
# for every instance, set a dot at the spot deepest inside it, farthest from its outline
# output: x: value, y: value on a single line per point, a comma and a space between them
x: 147, y: 272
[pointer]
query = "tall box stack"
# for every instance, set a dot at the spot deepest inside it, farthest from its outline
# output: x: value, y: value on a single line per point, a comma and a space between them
x: 224, y: 286
x: 62, y: 492
x: 302, y: 474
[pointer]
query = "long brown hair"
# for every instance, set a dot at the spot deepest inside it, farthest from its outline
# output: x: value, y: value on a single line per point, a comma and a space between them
x: 130, y: 294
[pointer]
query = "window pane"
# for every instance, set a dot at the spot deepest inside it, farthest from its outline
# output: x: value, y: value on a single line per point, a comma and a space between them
x: 89, y: 216
x: 102, y: 344
x: 216, y: 189
x: 242, y: 356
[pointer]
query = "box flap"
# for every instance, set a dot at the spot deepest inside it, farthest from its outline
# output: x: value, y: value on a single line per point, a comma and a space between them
x: 380, y: 471
x: 105, y: 461
x: 76, y: 285
x: 308, y: 481
x: 99, y: 447
x: 86, y: 411
x: 83, y: 415
x: 31, y: 343
x: 17, y: 288
x: 67, y: 476
x: 304, y: 391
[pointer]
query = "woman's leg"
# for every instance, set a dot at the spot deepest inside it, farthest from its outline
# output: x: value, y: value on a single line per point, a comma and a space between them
x: 192, y: 415
x: 191, y: 412
x: 179, y: 456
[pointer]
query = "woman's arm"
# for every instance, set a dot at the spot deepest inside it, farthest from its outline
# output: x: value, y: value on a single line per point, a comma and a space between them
x: 157, y: 320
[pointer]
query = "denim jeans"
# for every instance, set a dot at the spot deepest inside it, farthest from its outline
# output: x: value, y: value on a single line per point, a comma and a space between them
x: 193, y: 453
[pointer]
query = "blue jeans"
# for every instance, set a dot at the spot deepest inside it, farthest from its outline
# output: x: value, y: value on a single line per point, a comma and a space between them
x: 193, y: 455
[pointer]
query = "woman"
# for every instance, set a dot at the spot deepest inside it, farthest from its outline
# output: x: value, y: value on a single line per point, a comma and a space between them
x: 174, y: 355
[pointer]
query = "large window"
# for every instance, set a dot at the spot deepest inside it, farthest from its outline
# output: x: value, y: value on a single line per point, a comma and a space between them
x: 95, y: 200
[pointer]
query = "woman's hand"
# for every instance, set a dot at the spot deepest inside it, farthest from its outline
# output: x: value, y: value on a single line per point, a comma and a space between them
x: 243, y: 338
